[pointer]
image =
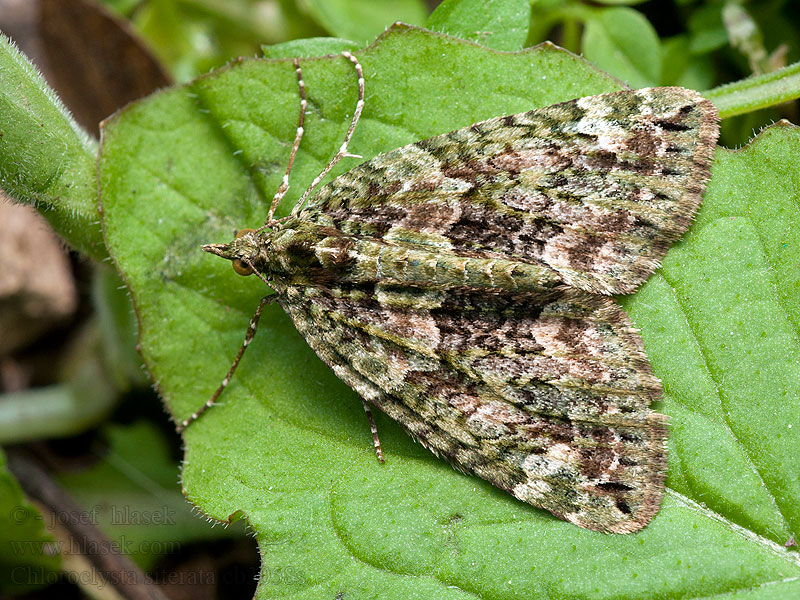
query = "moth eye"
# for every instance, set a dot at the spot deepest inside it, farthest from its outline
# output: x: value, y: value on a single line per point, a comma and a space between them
x: 241, y: 267
x: 243, y: 232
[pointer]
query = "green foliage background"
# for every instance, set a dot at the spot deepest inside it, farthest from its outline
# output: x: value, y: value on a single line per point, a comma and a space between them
x: 289, y: 448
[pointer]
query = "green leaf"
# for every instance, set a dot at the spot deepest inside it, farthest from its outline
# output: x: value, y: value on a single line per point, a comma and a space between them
x: 362, y: 20
x: 680, y: 67
x: 193, y: 36
x: 46, y: 159
x: 498, y: 24
x: 622, y: 41
x: 321, y: 46
x: 620, y: 2
x: 706, y: 29
x: 720, y: 321
x: 28, y: 558
x: 289, y: 447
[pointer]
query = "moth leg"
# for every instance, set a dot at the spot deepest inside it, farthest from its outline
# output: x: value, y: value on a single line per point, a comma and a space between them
x: 343, y: 149
x: 376, y: 441
x: 284, y: 186
x: 251, y: 332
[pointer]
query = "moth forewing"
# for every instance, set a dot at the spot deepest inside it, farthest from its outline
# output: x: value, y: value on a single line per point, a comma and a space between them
x: 460, y: 285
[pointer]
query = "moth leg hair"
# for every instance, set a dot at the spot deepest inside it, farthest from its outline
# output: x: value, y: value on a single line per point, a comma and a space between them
x: 343, y: 148
x: 284, y: 186
x: 251, y: 332
x: 376, y: 441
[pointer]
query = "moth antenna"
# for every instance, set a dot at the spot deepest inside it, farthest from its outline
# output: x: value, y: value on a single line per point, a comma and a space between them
x: 343, y: 149
x: 251, y: 332
x: 284, y: 186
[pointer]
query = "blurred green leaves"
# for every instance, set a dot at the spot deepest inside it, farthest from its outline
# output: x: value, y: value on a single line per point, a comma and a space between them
x: 668, y: 42
x: 498, y: 24
x: 622, y: 41
x: 28, y: 556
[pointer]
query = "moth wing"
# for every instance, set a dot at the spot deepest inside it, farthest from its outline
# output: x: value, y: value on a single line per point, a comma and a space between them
x: 596, y: 188
x: 547, y: 402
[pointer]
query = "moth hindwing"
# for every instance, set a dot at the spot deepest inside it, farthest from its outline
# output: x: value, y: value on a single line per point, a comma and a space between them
x: 461, y: 284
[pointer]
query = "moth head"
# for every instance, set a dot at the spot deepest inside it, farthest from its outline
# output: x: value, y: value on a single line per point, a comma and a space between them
x: 242, y: 251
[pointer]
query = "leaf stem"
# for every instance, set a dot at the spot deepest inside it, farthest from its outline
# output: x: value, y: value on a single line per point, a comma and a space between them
x: 46, y: 159
x: 52, y: 411
x: 757, y: 92
x: 84, y: 397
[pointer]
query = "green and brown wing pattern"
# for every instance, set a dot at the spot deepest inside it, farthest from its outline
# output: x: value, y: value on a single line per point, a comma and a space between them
x: 596, y: 188
x: 549, y: 402
x: 461, y: 285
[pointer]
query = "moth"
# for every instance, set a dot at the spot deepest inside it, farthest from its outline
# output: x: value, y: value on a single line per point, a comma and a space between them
x: 462, y: 284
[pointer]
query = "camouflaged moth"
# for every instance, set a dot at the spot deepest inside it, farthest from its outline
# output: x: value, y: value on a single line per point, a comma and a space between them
x: 461, y: 284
